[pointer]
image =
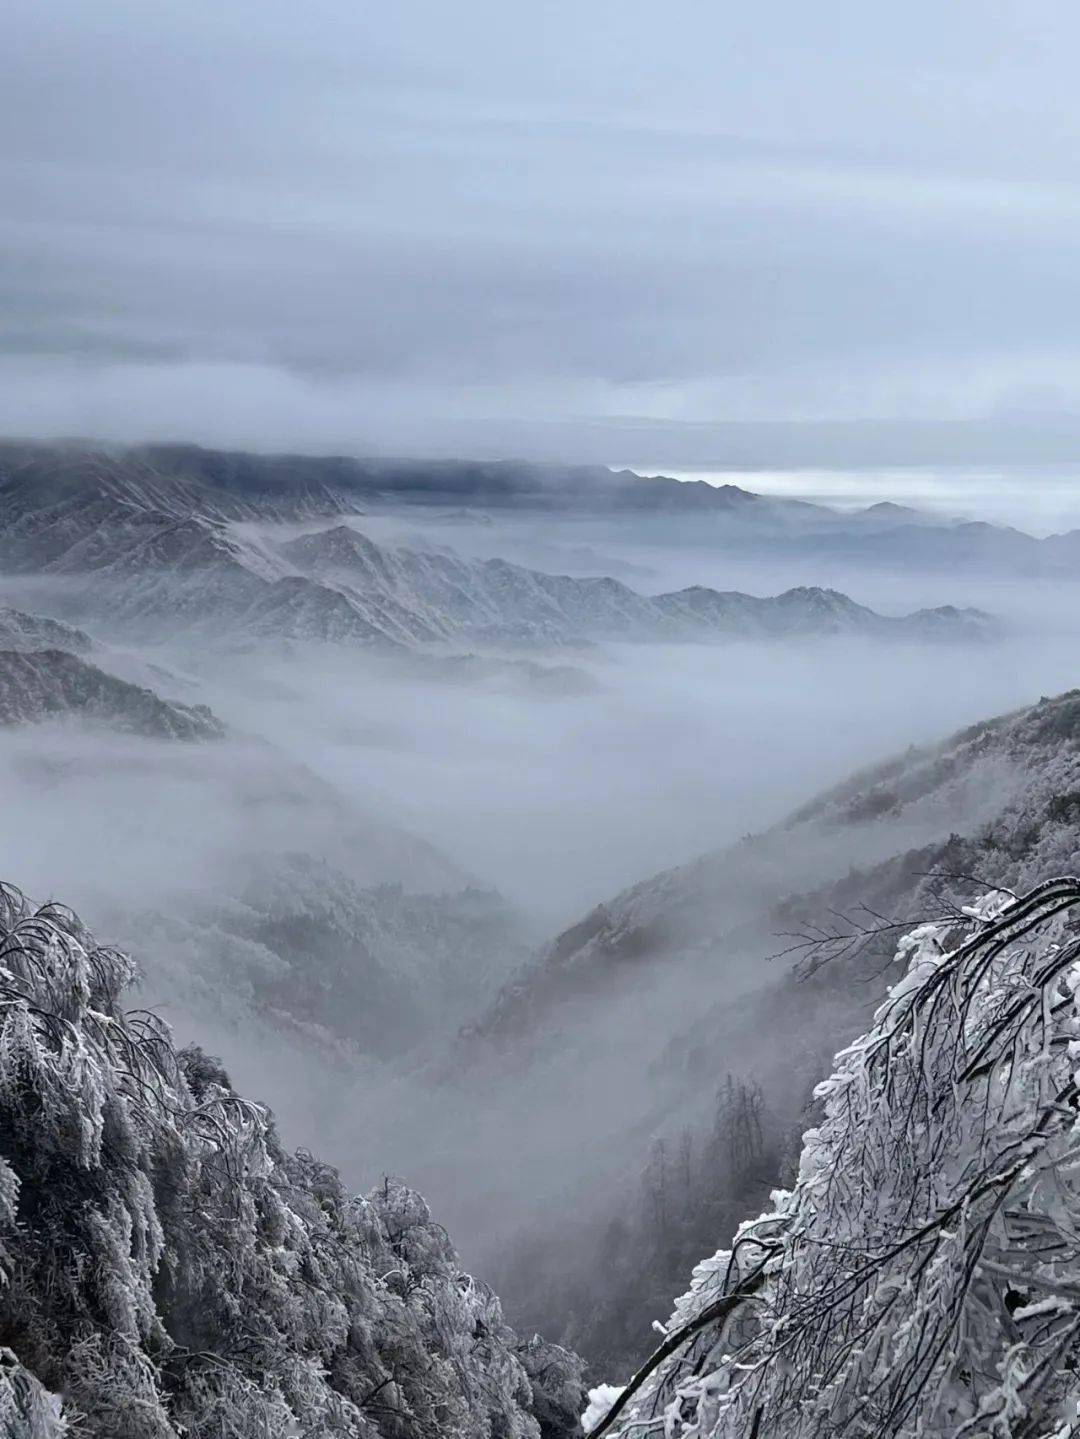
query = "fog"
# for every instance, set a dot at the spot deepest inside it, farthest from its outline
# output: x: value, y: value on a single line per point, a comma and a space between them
x: 402, y: 771
x: 561, y: 802
x: 667, y: 552
x: 1039, y: 499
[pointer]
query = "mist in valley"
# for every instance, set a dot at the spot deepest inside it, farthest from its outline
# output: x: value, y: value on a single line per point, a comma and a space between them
x: 354, y: 773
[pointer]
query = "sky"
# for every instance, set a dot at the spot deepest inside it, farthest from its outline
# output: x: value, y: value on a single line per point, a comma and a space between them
x: 687, y: 234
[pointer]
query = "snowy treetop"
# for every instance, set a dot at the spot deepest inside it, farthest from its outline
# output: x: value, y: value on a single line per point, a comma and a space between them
x: 167, y: 1269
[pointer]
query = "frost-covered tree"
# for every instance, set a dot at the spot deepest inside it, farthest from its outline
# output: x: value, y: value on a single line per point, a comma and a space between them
x: 923, y: 1275
x: 167, y: 1269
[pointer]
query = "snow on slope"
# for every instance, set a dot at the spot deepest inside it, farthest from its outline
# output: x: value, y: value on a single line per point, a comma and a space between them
x: 1000, y: 800
x: 48, y: 684
x: 438, y: 594
x: 338, y: 964
x: 757, y: 962
x: 22, y: 631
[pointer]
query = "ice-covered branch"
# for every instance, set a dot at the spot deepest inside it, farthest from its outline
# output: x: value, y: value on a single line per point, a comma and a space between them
x: 923, y: 1276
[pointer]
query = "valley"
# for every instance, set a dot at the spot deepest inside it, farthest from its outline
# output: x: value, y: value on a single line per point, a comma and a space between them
x: 376, y: 807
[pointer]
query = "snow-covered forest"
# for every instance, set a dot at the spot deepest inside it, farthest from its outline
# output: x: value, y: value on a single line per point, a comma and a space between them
x: 168, y: 1269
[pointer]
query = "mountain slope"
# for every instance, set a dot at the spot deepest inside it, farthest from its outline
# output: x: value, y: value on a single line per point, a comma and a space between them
x: 22, y: 631
x: 145, y: 549
x: 339, y: 965
x: 738, y: 976
x: 48, y: 684
x: 169, y: 1269
x: 1000, y: 800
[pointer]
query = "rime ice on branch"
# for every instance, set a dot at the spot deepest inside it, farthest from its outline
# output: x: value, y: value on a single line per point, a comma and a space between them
x: 923, y: 1277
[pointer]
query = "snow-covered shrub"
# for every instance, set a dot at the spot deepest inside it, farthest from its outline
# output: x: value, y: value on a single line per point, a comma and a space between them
x: 923, y: 1276
x: 167, y: 1269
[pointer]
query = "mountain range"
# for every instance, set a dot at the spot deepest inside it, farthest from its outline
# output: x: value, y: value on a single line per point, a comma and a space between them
x: 201, y: 546
x: 234, y: 485
x: 729, y: 518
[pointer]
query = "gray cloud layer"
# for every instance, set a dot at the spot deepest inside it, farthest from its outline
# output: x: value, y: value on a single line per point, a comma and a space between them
x: 422, y: 224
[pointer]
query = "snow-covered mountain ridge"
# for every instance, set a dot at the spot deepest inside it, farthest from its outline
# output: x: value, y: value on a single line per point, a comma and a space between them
x: 439, y: 595
x: 234, y: 485
x: 147, y: 548
x: 22, y: 631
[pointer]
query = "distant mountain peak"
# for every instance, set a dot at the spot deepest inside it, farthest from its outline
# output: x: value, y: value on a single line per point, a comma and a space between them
x: 816, y: 594
x: 885, y: 508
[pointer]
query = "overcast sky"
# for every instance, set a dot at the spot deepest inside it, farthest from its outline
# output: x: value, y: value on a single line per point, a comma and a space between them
x: 556, y: 227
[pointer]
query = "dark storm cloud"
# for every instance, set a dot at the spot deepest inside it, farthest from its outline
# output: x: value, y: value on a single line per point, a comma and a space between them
x: 415, y: 222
